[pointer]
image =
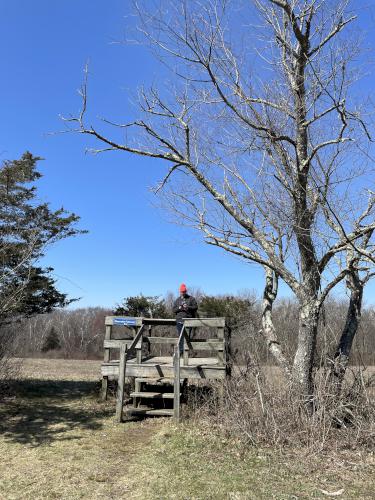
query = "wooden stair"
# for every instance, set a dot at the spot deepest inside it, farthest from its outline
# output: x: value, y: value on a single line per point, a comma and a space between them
x: 163, y: 412
x: 152, y: 395
x: 156, y: 381
x: 156, y: 397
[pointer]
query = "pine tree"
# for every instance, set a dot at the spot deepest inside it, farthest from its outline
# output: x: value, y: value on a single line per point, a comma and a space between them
x: 52, y: 341
x: 27, y: 228
x: 141, y: 306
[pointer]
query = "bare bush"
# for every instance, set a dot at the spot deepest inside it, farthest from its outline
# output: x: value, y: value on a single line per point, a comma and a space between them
x: 9, y: 366
x: 256, y: 408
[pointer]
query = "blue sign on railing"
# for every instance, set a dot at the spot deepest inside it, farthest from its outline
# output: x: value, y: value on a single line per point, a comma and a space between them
x: 125, y: 321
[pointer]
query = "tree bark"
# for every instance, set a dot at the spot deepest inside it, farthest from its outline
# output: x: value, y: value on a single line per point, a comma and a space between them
x: 353, y: 317
x: 304, y: 357
x: 268, y: 329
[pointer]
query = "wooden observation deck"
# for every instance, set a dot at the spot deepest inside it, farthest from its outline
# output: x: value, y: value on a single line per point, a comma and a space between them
x: 158, y: 378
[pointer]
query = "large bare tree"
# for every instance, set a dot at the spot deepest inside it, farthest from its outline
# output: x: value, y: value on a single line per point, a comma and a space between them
x: 265, y: 144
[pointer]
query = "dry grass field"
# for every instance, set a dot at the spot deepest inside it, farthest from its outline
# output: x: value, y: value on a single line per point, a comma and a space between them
x: 58, y: 441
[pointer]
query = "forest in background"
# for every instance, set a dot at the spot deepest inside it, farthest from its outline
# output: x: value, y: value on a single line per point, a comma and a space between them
x: 79, y: 333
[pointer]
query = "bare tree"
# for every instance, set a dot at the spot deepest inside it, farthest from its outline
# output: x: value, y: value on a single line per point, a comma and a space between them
x: 358, y: 276
x: 264, y: 142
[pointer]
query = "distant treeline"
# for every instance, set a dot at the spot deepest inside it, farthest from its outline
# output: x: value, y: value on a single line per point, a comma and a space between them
x: 79, y: 333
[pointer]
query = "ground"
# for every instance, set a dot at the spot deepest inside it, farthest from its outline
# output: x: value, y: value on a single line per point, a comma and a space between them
x: 58, y: 441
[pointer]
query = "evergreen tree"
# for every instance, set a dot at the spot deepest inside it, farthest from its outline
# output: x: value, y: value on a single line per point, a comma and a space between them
x: 27, y: 228
x: 140, y: 306
x: 52, y: 341
x: 235, y: 310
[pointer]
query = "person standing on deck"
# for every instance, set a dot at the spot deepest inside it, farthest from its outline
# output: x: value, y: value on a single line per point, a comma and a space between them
x: 185, y: 306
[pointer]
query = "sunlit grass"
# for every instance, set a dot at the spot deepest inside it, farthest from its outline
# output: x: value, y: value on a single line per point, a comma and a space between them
x: 57, y: 440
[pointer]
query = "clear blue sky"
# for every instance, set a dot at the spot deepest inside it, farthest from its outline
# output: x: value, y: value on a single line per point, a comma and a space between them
x: 131, y: 247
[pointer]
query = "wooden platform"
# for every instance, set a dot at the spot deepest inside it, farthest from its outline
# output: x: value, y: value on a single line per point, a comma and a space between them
x: 136, y: 343
x: 162, y: 367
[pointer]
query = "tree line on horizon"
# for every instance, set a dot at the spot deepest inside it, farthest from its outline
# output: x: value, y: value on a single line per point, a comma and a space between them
x: 79, y: 333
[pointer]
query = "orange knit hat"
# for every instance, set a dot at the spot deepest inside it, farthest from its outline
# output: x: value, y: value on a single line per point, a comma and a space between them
x: 183, y: 287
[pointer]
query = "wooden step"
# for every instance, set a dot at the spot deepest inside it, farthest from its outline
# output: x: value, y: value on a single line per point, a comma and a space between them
x: 149, y: 411
x: 154, y: 381
x: 164, y: 395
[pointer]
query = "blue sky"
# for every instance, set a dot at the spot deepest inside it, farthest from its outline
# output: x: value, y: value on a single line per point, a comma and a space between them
x: 131, y: 247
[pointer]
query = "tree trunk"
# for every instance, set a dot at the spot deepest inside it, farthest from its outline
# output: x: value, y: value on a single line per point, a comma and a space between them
x: 268, y: 329
x: 304, y: 357
x: 353, y: 317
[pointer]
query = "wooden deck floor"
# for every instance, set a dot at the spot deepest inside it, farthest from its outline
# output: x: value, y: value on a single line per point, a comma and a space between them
x: 162, y: 366
x: 168, y: 361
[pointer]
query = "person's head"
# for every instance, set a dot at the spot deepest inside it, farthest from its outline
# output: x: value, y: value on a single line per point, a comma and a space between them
x: 183, y: 289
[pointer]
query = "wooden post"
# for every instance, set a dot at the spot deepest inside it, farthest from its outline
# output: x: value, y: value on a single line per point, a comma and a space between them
x: 148, y: 350
x: 107, y: 336
x: 221, y: 335
x: 121, y: 383
x: 228, y: 360
x: 186, y: 342
x: 138, y: 385
x: 220, y: 332
x: 138, y: 350
x: 177, y: 386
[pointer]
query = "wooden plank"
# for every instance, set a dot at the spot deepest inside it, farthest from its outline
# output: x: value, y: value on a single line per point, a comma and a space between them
x: 177, y: 385
x: 138, y: 349
x: 152, y: 395
x: 156, y: 381
x: 163, y: 412
x: 159, y: 321
x: 228, y: 358
x: 209, y: 322
x: 122, y: 321
x: 220, y: 332
x: 107, y: 354
x: 186, y: 349
x: 220, y: 357
x: 138, y: 321
x: 159, y: 371
x: 121, y: 383
x: 116, y: 343
x: 186, y: 353
x: 197, y: 345
x: 136, y: 339
x: 147, y: 346
x: 161, y: 340
x: 207, y: 345
x: 168, y: 361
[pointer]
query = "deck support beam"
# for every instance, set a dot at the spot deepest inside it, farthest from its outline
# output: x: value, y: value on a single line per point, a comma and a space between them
x: 121, y: 383
x: 107, y: 351
x: 177, y: 384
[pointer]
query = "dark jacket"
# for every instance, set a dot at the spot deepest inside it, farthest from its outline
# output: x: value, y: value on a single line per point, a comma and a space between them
x: 185, y: 307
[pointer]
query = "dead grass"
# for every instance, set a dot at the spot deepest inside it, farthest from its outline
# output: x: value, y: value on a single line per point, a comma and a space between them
x: 58, y: 441
x: 60, y: 369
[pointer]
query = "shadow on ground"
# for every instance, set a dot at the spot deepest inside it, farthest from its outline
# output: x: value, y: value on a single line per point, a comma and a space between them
x: 44, y: 411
